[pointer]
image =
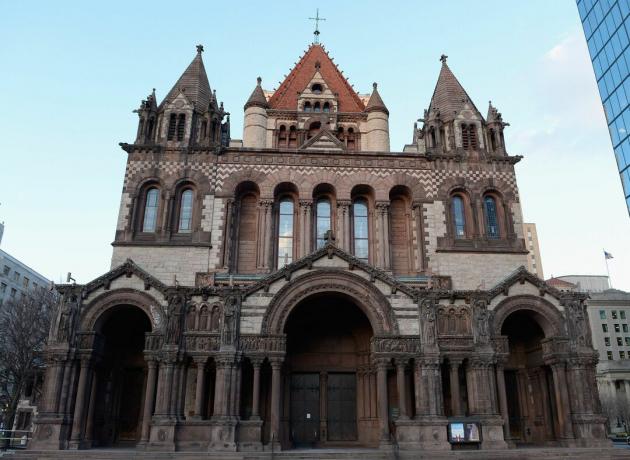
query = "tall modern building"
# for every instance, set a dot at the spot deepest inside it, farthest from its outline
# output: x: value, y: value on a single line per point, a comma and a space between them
x: 607, y: 29
x: 17, y: 278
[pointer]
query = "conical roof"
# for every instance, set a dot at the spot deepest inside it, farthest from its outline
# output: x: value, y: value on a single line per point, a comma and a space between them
x: 449, y: 95
x: 375, y: 103
x: 194, y: 84
x: 315, y: 59
x: 257, y: 97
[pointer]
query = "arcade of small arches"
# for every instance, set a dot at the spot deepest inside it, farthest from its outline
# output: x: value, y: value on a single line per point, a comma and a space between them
x: 313, y: 382
x: 291, y: 137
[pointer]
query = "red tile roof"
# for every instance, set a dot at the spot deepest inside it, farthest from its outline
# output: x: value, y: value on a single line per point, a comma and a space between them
x: 285, y: 97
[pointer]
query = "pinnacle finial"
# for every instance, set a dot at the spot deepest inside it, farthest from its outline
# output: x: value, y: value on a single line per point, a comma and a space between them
x: 443, y: 58
x: 259, y: 80
x: 374, y: 85
x: 199, y: 49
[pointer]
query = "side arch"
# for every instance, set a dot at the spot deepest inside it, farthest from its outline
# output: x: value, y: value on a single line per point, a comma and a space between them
x: 366, y: 296
x: 546, y: 314
x: 120, y: 297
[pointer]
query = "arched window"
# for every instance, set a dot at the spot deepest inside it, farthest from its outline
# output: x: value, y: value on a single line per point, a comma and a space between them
x: 493, y: 140
x: 326, y: 107
x: 292, y: 137
x: 351, y: 143
x: 150, y: 129
x: 492, y: 219
x: 316, y: 88
x: 341, y: 135
x: 432, y: 136
x: 469, y: 137
x: 313, y: 128
x: 285, y: 232
x: 317, y: 107
x: 150, y: 210
x: 282, y: 136
x: 360, y: 227
x: 459, y: 216
x: 185, y: 211
x: 181, y: 124
x: 322, y: 212
x: 307, y: 106
x: 172, y: 126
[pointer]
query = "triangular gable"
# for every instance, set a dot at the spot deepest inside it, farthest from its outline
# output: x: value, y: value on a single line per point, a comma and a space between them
x: 315, y: 59
x: 521, y: 275
x: 324, y: 140
x: 330, y: 251
x: 128, y: 269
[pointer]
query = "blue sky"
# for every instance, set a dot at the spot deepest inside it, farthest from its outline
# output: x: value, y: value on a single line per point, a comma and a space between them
x: 72, y: 72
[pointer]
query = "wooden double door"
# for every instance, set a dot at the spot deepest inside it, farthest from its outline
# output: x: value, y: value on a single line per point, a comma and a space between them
x: 320, y: 415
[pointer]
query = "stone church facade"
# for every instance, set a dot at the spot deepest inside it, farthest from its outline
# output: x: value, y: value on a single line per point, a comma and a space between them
x: 307, y: 286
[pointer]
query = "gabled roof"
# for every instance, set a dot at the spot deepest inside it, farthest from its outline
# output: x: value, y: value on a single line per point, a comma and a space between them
x: 323, y: 140
x: 330, y: 250
x: 285, y: 97
x: 376, y: 102
x: 128, y: 268
x: 521, y: 275
x: 194, y: 84
x: 257, y: 97
x: 449, y: 95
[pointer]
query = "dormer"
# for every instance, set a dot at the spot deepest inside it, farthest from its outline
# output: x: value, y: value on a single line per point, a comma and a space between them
x: 317, y: 96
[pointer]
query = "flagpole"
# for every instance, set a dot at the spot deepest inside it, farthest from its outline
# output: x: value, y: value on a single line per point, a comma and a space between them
x: 607, y: 270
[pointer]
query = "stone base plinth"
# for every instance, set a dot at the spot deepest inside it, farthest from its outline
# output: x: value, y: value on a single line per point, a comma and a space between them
x: 427, y: 433
x: 250, y: 435
x: 50, y: 434
x: 223, y: 434
x: 162, y: 436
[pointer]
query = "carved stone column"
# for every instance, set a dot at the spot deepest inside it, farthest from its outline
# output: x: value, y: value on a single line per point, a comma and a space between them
x: 306, y: 227
x: 502, y: 395
x: 558, y: 369
x: 266, y: 242
x: 256, y: 363
x: 429, y: 399
x: 343, y: 224
x: 149, y: 396
x: 78, y: 419
x: 382, y: 212
x: 456, y: 400
x: 402, y: 387
x: 276, y: 411
x: 89, y: 423
x: 419, y: 231
x: 381, y: 391
x: 65, y: 387
x: 220, y: 387
x: 200, y: 386
x: 228, y: 237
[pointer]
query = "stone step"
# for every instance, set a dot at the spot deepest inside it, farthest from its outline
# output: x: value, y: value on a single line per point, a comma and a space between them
x: 329, y: 454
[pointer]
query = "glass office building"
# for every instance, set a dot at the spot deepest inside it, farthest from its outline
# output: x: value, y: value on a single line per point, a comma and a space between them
x: 607, y: 29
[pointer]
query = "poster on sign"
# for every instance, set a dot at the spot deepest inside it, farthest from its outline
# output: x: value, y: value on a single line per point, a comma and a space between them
x: 462, y: 432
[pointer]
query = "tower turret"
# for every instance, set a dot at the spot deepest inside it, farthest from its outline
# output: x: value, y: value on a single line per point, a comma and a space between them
x: 377, y: 123
x: 494, y: 132
x: 147, y: 114
x: 255, y: 123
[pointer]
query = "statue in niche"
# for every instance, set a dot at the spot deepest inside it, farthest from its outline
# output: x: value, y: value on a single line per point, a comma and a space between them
x: 173, y: 326
x: 428, y: 315
x: 66, y: 319
x: 482, y: 319
x: 230, y: 321
x: 215, y: 318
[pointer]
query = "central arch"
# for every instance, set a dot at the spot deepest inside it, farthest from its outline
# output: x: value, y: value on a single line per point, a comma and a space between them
x: 330, y: 389
x: 365, y: 295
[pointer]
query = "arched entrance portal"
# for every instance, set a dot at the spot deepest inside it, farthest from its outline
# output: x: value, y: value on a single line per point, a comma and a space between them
x: 120, y: 376
x: 330, y: 390
x: 529, y: 386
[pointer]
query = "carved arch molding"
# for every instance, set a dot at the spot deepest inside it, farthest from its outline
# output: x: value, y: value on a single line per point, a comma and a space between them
x: 94, y: 311
x: 362, y: 292
x: 547, y: 315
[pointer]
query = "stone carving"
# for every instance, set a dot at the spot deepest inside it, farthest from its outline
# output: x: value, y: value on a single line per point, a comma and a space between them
x: 395, y: 345
x: 253, y: 343
x: 67, y: 318
x: 231, y: 314
x: 174, y: 319
x: 578, y: 330
x: 428, y: 321
x: 481, y: 322
x: 155, y: 314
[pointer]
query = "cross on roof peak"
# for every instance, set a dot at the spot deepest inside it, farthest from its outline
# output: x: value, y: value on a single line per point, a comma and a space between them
x: 443, y: 58
x: 316, y: 19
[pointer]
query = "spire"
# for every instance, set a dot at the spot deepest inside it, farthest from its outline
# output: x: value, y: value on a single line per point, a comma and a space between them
x: 257, y: 97
x: 449, y: 96
x: 494, y: 116
x: 194, y: 84
x: 375, y: 103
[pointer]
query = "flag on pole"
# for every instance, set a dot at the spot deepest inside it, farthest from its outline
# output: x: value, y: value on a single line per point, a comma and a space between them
x: 607, y: 255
